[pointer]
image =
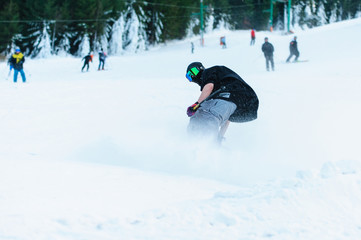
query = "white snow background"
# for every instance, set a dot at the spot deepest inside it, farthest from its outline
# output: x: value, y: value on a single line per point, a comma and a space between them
x: 105, y: 154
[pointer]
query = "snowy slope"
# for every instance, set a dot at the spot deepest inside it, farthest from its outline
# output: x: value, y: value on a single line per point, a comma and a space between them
x: 105, y: 155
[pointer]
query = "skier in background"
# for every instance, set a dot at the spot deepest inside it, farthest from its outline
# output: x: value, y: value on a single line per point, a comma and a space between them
x: 223, y: 42
x: 16, y: 62
x: 293, y: 50
x: 253, y: 37
x: 88, y: 58
x: 192, y: 47
x: 225, y: 97
x: 268, y: 49
x: 102, y: 56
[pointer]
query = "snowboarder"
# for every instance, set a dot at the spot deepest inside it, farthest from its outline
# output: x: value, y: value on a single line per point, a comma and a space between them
x: 16, y: 62
x: 88, y: 58
x: 225, y: 97
x: 102, y: 56
x: 293, y: 50
x: 268, y: 49
x: 253, y: 37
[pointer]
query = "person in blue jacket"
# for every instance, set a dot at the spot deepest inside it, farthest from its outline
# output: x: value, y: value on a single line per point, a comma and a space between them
x: 16, y: 62
x: 102, y: 57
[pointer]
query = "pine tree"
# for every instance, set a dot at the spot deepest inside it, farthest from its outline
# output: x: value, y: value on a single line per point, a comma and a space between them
x: 37, y: 13
x: 134, y: 37
x: 175, y: 19
x: 116, y: 27
x: 42, y: 45
x: 9, y: 25
x: 259, y: 19
x: 60, y: 28
x: 75, y: 27
x: 221, y: 12
x: 116, y: 39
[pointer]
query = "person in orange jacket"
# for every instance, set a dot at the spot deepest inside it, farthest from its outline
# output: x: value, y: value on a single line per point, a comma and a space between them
x: 88, y: 58
x: 223, y: 42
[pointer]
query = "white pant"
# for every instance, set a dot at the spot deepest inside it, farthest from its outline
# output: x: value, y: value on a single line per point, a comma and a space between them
x: 210, y: 117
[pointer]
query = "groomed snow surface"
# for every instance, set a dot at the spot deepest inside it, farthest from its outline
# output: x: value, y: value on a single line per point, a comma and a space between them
x: 105, y: 154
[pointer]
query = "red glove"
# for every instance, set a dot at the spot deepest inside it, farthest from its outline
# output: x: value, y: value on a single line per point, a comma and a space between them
x: 191, y: 110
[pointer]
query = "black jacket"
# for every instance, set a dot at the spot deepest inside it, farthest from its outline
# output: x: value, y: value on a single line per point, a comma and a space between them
x: 236, y: 91
x: 293, y: 46
x: 267, y: 49
x: 88, y: 58
x: 17, y: 61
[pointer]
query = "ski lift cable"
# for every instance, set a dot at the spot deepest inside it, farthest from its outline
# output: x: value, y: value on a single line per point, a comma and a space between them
x: 105, y: 20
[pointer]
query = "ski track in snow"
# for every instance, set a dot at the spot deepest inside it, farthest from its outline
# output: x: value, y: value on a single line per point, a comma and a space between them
x: 105, y: 155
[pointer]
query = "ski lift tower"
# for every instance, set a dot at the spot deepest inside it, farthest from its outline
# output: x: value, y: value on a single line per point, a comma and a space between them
x: 201, y: 16
x: 288, y: 13
x: 202, y: 24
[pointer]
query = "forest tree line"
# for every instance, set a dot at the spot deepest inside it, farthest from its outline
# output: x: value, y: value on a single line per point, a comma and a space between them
x: 41, y: 27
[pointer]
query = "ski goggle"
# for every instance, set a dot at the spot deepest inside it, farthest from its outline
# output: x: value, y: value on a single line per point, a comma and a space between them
x: 193, y: 72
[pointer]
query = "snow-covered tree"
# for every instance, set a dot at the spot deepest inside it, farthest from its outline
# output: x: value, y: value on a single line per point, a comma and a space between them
x: 63, y: 48
x: 42, y: 44
x: 209, y: 24
x: 116, y: 40
x: 134, y: 37
x: 321, y: 13
x: 84, y: 47
x: 193, y: 24
x: 119, y: 26
x: 154, y: 26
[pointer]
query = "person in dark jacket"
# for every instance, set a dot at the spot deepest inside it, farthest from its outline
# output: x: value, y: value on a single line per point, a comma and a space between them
x: 88, y: 58
x: 102, y: 56
x: 225, y: 97
x: 293, y: 50
x: 268, y: 49
x: 16, y: 62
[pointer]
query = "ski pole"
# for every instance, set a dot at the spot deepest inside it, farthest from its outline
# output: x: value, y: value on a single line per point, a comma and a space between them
x: 9, y: 74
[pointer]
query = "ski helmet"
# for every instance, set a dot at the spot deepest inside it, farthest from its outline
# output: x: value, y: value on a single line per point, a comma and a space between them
x: 17, y: 49
x: 194, y: 71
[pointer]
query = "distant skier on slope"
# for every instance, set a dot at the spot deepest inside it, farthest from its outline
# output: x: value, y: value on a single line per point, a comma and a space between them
x: 88, y: 58
x: 293, y: 50
x: 225, y: 97
x: 223, y: 42
x: 102, y: 56
x: 268, y: 49
x: 253, y: 37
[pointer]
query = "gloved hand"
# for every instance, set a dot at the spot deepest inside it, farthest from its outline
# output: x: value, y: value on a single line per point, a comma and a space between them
x: 191, y: 110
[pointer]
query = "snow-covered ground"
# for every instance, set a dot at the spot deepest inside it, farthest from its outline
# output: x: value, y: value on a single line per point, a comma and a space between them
x: 105, y: 154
